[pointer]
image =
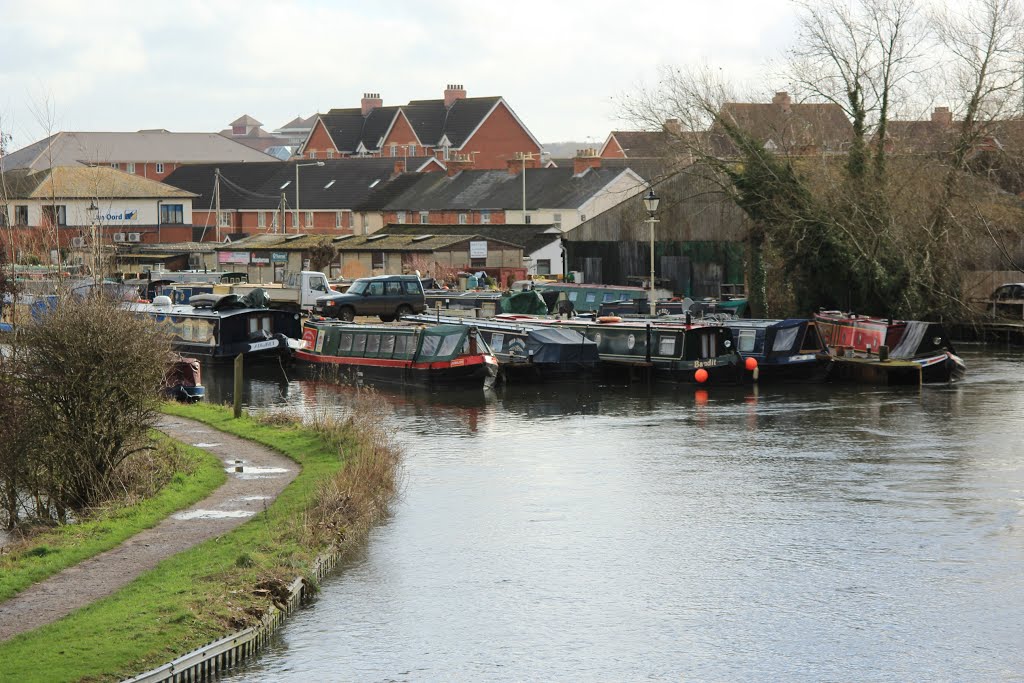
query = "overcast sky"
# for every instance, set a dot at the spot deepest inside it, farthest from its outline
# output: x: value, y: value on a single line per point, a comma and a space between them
x: 196, y: 65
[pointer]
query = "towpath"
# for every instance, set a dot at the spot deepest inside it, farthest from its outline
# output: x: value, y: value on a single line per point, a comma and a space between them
x: 265, y: 474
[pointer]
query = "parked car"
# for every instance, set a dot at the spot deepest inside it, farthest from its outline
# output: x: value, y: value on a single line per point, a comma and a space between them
x: 386, y: 296
x: 1008, y: 300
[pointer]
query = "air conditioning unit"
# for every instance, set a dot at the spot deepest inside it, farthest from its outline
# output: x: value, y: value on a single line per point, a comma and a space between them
x: 78, y: 242
x: 134, y: 237
x: 119, y: 237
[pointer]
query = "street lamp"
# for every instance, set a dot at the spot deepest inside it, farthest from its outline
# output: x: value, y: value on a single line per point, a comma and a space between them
x: 297, y: 214
x: 651, y: 202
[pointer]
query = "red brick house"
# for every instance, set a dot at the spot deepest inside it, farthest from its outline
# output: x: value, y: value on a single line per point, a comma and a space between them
x: 481, y: 132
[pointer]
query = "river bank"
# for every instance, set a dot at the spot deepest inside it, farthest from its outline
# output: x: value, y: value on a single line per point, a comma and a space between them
x: 226, y: 583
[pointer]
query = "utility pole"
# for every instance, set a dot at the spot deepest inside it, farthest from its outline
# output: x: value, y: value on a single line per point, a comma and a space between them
x: 525, y: 156
x: 216, y: 200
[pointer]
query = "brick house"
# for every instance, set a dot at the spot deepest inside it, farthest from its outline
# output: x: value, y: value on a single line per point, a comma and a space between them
x: 477, y: 132
x: 152, y: 154
x: 261, y: 198
x: 67, y: 203
x: 785, y: 127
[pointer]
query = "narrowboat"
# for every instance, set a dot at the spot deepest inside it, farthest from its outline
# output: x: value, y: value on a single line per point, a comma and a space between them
x: 530, y: 351
x: 183, y: 380
x: 431, y: 357
x: 788, y: 350
x: 222, y: 329
x: 925, y: 343
x: 671, y: 351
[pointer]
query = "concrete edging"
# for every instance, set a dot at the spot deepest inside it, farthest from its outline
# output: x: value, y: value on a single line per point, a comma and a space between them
x: 206, y: 663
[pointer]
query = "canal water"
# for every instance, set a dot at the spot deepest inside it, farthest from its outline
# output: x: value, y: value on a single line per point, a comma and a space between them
x: 582, y: 533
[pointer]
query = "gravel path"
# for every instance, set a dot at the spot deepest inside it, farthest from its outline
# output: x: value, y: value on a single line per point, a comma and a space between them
x: 265, y: 474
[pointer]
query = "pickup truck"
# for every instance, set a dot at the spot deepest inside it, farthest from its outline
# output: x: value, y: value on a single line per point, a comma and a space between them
x: 298, y: 293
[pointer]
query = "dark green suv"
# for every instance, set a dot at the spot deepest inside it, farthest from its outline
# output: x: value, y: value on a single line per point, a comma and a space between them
x: 386, y: 296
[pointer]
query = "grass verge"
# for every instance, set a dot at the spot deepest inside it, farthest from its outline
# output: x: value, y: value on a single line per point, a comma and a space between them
x: 217, y: 587
x: 44, y: 554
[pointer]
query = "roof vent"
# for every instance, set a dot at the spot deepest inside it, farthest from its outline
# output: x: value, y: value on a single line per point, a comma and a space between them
x: 374, y: 183
x: 339, y: 238
x: 329, y: 184
x: 289, y: 238
x: 286, y: 184
x: 371, y: 238
x: 420, y: 238
x: 162, y: 300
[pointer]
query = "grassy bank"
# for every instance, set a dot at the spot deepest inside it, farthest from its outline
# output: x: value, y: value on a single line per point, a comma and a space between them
x: 226, y: 583
x: 47, y: 553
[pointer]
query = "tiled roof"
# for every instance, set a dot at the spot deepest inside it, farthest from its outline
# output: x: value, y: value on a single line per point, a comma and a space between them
x: 785, y: 127
x: 425, y: 241
x: 86, y: 182
x: 430, y: 120
x: 548, y: 188
x: 70, y: 148
x: 338, y: 184
x: 642, y: 143
x: 245, y: 120
x: 530, y: 237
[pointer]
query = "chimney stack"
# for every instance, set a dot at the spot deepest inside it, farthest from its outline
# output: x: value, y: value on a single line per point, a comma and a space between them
x: 942, y: 117
x: 585, y: 159
x: 672, y: 126
x: 453, y: 93
x: 458, y: 163
x: 782, y: 100
x: 371, y: 101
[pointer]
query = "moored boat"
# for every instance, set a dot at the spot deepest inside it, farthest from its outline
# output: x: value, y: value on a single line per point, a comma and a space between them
x: 432, y: 357
x: 924, y: 343
x: 695, y: 352
x: 789, y: 350
x: 183, y: 380
x: 530, y: 351
x: 224, y: 328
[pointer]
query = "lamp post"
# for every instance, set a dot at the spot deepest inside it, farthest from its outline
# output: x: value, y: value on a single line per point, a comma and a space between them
x: 297, y: 213
x: 651, y: 202
x: 94, y: 212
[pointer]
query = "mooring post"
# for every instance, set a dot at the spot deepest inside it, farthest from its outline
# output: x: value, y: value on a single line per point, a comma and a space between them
x: 238, y: 386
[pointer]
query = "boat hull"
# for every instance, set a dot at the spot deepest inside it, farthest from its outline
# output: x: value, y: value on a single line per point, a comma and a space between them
x: 470, y: 372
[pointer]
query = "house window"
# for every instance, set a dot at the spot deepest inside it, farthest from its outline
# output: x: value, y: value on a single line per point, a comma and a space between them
x: 312, y: 154
x: 130, y: 167
x: 225, y: 219
x: 400, y: 216
x: 330, y: 154
x: 261, y: 219
x: 117, y: 166
x: 446, y: 152
x: 309, y: 219
x: 424, y: 217
x: 543, y: 266
x: 412, y: 150
x: 463, y: 218
x: 273, y: 221
x: 55, y: 215
x: 377, y: 263
x: 485, y: 216
x: 3, y: 215
x: 21, y: 214
x: 394, y: 150
x: 159, y: 168
x: 526, y: 218
x: 478, y: 263
x: 173, y: 214
x: 556, y: 220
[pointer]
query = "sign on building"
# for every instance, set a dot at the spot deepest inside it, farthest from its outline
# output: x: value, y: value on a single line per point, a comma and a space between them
x: 259, y: 259
x: 478, y: 249
x: 238, y: 257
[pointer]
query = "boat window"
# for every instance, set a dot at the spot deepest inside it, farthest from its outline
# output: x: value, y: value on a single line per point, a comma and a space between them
x: 572, y: 296
x: 608, y: 297
x: 403, y: 344
x: 811, y: 342
x: 430, y: 345
x: 345, y: 345
x: 359, y: 345
x: 372, y: 344
x: 591, y: 297
x: 387, y: 345
x: 784, y: 339
x: 497, y: 341
x: 450, y: 345
x: 667, y: 345
x: 746, y: 341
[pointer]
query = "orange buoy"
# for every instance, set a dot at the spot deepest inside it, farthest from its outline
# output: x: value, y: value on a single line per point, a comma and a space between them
x: 701, y: 375
x: 750, y: 364
x: 609, y: 319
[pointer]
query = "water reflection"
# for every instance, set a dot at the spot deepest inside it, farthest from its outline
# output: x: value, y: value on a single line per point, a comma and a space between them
x: 581, y: 532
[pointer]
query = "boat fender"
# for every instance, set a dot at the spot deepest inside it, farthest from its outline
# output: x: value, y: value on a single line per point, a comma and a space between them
x: 609, y: 319
x: 142, y: 301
